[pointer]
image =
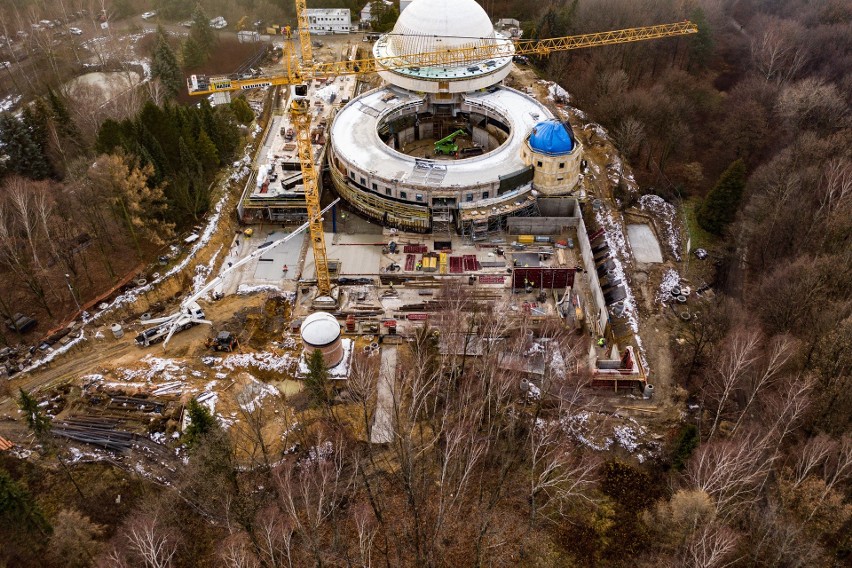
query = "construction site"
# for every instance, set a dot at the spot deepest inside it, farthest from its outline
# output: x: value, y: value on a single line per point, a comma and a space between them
x: 416, y: 183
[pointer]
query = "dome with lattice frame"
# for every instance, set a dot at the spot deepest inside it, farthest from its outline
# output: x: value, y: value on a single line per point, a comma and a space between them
x: 427, y: 26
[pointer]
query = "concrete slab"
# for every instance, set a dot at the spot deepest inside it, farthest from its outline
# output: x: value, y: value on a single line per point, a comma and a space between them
x: 644, y: 243
x: 358, y: 254
x: 270, y: 264
x: 382, y: 431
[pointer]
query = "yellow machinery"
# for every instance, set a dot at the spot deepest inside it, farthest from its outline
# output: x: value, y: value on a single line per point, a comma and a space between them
x: 300, y: 76
x: 241, y: 25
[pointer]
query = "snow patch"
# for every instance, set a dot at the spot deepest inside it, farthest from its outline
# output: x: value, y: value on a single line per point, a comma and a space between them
x: 666, y: 213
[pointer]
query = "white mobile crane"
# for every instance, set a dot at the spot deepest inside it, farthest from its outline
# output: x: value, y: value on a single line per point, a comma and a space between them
x: 190, y: 313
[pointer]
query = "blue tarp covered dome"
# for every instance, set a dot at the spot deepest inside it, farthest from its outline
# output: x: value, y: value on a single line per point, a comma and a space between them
x: 551, y: 137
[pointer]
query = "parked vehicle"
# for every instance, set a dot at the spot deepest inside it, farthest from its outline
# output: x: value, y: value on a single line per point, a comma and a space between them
x: 75, y: 31
x: 224, y: 341
x: 149, y: 15
x: 218, y: 23
x: 189, y: 317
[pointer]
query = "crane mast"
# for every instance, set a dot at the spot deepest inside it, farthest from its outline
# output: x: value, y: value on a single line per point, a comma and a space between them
x: 300, y: 116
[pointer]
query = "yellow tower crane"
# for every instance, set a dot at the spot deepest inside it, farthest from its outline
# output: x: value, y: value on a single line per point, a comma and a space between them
x: 300, y: 75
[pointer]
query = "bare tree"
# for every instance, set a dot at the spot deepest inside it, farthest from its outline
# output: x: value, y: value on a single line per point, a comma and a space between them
x: 733, y: 362
x: 711, y: 547
x: 148, y: 543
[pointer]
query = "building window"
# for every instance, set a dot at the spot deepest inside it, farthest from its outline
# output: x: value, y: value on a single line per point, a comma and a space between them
x: 469, y: 197
x: 418, y: 197
x: 388, y: 191
x: 538, y: 163
x: 561, y: 165
x: 363, y: 181
x: 484, y: 195
x: 375, y: 187
x: 352, y: 175
x: 403, y: 195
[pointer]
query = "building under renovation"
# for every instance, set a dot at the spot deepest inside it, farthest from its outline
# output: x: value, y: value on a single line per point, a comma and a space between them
x: 449, y: 148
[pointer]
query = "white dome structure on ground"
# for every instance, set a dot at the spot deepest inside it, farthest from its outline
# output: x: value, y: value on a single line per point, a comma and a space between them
x: 321, y: 330
x: 428, y: 26
x: 442, y: 147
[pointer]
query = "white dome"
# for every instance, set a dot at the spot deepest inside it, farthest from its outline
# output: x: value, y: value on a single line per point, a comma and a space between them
x: 320, y: 329
x: 432, y: 25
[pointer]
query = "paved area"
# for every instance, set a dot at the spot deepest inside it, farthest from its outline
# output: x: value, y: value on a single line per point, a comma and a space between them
x: 644, y: 244
x: 270, y: 265
x: 358, y: 254
x: 382, y: 431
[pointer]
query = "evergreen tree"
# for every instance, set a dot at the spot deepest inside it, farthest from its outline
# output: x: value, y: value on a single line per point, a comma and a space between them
x: 62, y: 118
x: 201, y: 31
x: 316, y: 382
x: 21, y: 152
x: 110, y: 136
x: 226, y: 133
x: 39, y: 423
x: 700, y: 44
x: 193, y: 55
x: 242, y: 110
x: 164, y: 65
x: 201, y: 422
x: 207, y: 155
x: 721, y: 204
x: 18, y: 509
x: 36, y: 117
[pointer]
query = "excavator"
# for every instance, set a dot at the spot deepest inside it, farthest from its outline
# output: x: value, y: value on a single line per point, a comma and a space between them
x: 299, y: 74
x: 447, y: 145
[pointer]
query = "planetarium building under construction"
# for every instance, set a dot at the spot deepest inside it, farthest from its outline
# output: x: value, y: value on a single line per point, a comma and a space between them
x: 448, y: 147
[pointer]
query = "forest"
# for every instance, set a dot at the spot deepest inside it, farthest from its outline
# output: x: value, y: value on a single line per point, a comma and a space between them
x: 745, y: 127
x: 89, y: 191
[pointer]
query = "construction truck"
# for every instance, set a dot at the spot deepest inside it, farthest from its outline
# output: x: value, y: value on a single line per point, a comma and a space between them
x: 224, y: 341
x: 447, y: 145
x: 190, y: 315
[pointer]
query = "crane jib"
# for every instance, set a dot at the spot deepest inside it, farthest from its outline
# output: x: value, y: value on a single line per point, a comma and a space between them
x: 256, y: 85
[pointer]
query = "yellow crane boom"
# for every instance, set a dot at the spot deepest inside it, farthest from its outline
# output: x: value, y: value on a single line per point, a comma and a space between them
x: 459, y: 56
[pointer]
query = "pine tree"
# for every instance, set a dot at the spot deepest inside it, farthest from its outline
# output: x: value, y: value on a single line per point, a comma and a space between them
x: 721, y: 204
x: 207, y: 155
x: 139, y: 205
x: 201, y: 422
x: 22, y: 152
x: 193, y: 55
x: 18, y: 508
x: 316, y: 382
x: 701, y: 44
x: 110, y: 136
x: 62, y: 118
x: 201, y: 32
x: 242, y: 110
x: 164, y: 65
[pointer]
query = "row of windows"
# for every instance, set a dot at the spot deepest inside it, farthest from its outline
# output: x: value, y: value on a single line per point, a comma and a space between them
x: 418, y: 197
x: 561, y: 164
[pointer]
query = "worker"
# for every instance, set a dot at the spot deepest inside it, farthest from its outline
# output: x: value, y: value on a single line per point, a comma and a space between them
x: 419, y: 265
x: 286, y: 269
x: 391, y: 286
x: 602, y: 342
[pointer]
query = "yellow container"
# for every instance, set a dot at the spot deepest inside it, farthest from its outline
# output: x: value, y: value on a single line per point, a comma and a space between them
x: 526, y: 239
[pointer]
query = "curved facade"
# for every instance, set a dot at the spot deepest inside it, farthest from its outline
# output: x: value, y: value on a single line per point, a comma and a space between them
x: 385, y: 158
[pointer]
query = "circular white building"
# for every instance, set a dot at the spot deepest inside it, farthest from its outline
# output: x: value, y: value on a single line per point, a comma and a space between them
x: 320, y: 330
x: 444, y: 146
x: 433, y: 26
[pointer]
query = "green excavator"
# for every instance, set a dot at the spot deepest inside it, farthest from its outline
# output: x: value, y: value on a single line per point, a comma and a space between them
x: 447, y: 146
